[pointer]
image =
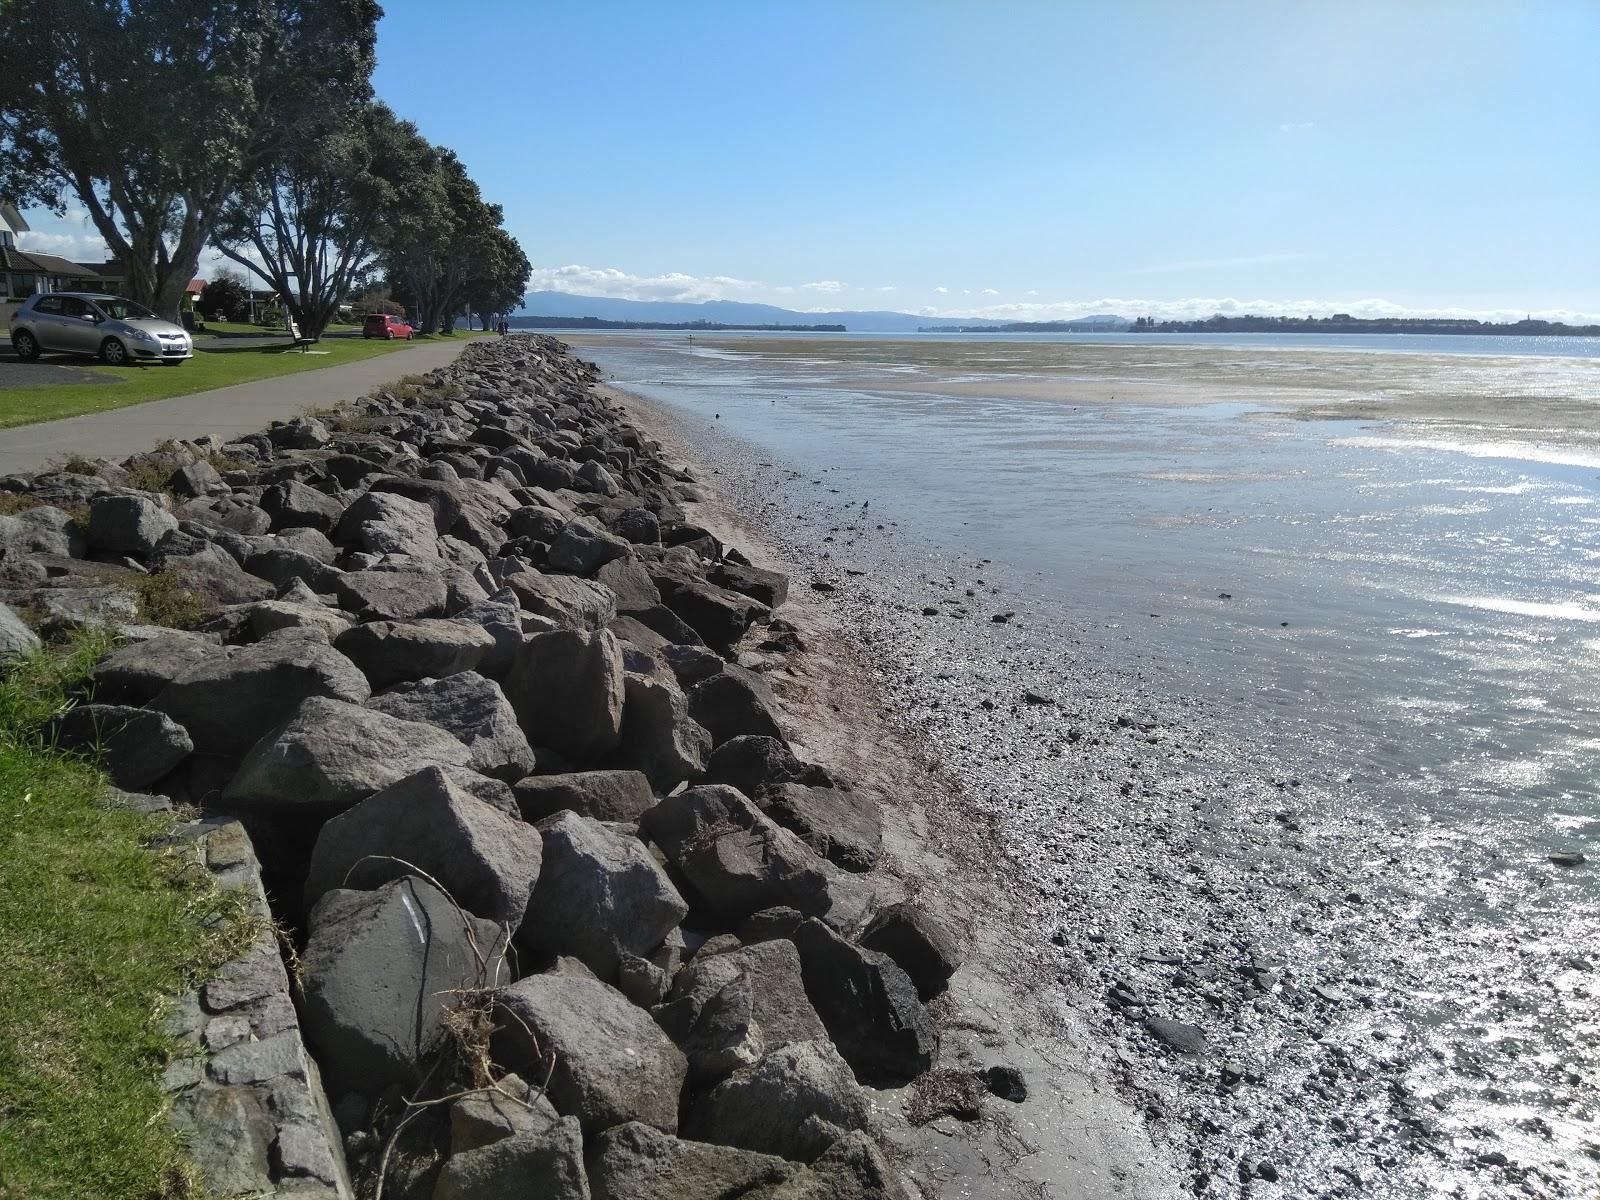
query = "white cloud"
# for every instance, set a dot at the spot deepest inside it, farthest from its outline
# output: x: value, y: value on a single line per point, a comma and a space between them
x: 608, y: 281
x: 889, y: 288
x: 824, y: 285
x: 1211, y: 264
x: 942, y: 290
x: 988, y: 292
x: 1199, y: 307
x: 1291, y: 128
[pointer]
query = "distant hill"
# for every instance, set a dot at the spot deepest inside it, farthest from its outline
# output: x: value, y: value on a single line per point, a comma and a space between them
x: 725, y: 312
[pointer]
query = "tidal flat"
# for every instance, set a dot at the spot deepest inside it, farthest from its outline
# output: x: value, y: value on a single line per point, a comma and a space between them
x: 1276, y: 670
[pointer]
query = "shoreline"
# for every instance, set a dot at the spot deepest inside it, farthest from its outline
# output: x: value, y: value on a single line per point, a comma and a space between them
x: 1075, y: 1137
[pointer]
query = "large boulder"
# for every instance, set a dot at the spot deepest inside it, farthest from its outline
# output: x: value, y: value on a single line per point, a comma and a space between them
x: 385, y: 523
x: 582, y: 548
x: 771, y: 588
x: 869, y: 1005
x: 291, y: 504
x: 601, y: 795
x: 757, y: 765
x: 269, y: 616
x: 719, y: 1035
x: 502, y: 619
x: 795, y: 1103
x: 390, y: 652
x: 567, y: 689
x: 920, y: 946
x: 779, y: 1003
x: 233, y: 696
x: 400, y: 593
x: 570, y: 602
x: 484, y: 858
x: 380, y: 968
x: 737, y: 859
x: 331, y: 755
x: 845, y: 829
x: 638, y: 1162
x: 600, y: 895
x: 137, y: 673
x: 137, y: 746
x: 16, y: 639
x: 475, y: 711
x: 716, y: 614
x: 612, y: 1062
x: 130, y: 525
x: 546, y: 1164
x: 508, y: 1108
x: 732, y: 703
x: 214, y: 580
x: 658, y: 734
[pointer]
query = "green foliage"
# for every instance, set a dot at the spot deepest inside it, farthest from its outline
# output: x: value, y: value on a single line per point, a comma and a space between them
x: 96, y: 926
x: 225, y: 298
x: 164, y: 600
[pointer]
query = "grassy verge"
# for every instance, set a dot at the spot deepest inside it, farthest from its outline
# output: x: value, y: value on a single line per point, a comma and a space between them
x: 94, y: 927
x: 206, y: 370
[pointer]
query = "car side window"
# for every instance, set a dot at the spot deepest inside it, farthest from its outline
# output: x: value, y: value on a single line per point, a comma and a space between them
x: 50, y: 306
x: 74, y: 308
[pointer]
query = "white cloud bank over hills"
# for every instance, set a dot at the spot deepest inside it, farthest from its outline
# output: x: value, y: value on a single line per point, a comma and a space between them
x: 684, y: 288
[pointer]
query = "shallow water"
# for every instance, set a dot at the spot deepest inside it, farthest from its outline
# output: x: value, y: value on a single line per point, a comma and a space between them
x: 1361, y: 662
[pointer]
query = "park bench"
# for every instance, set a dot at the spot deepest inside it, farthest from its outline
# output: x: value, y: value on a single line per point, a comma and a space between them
x: 301, y: 343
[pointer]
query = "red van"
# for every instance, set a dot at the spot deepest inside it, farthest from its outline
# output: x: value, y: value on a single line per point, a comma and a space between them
x: 380, y: 325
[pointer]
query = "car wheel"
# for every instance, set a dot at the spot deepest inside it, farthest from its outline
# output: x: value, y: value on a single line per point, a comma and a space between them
x: 365, y: 336
x: 114, y: 352
x: 25, y: 344
x: 408, y: 337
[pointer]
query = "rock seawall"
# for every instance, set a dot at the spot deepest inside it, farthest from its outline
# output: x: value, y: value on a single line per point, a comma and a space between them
x: 573, y: 918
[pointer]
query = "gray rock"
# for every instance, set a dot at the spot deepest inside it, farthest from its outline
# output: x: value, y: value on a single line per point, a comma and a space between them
x: 570, y: 602
x: 844, y: 829
x: 215, y: 580
x: 486, y: 860
x: 331, y: 755
x: 281, y: 564
x: 235, y: 695
x: 658, y: 734
x: 567, y: 689
x: 637, y: 525
x: 137, y: 746
x: 631, y: 583
x: 128, y: 524
x: 779, y: 1003
x: 269, y: 616
x: 732, y: 703
x: 582, y: 548
x: 718, y: 1034
x: 42, y: 530
x: 232, y: 513
x: 65, y: 609
x: 637, y: 1162
x: 868, y: 1004
x: 293, y: 503
x: 390, y: 652
x: 612, y: 1063
x: 795, y: 1103
x: 136, y: 674
x: 716, y: 614
x: 598, y: 479
x: 769, y: 587
x: 475, y: 711
x: 758, y: 765
x: 736, y: 858
x: 601, y: 795
x: 599, y: 895
x: 16, y: 639
x: 301, y: 433
x: 502, y: 619
x: 542, y: 1165
x: 384, y: 523
x: 510, y: 1108
x: 391, y: 594
x: 198, y: 478
x: 1180, y: 1036
x: 923, y: 948
x: 380, y: 969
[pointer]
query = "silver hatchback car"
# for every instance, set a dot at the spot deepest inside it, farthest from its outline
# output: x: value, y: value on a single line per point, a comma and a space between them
x: 117, y: 330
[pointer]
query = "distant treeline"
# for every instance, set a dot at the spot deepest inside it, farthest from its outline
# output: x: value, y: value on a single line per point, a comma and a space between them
x: 709, y: 326
x: 1343, y: 323
x: 1034, y: 327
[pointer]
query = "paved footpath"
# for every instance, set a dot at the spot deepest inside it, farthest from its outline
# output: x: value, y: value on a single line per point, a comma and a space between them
x: 225, y: 413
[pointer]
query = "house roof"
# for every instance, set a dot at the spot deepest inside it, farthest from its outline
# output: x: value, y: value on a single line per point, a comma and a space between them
x: 43, y: 264
x: 12, y: 218
x: 194, y: 287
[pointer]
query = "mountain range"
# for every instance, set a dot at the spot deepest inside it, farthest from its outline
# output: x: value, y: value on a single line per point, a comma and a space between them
x: 737, y: 312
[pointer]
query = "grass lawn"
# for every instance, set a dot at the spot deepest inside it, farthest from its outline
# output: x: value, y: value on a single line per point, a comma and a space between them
x: 245, y: 329
x: 95, y: 927
x: 206, y: 370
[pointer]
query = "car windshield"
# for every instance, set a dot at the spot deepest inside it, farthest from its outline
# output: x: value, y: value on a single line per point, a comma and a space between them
x: 125, y: 310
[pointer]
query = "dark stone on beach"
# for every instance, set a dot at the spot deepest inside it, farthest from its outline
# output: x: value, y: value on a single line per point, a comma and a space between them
x: 1188, y: 1040
x: 658, y: 734
x: 1568, y: 858
x: 600, y: 795
x: 771, y: 588
x: 569, y: 602
x: 718, y: 615
x: 127, y: 525
x: 869, y: 1005
x: 292, y: 504
x: 923, y: 948
x: 757, y: 764
x: 732, y: 703
x: 631, y: 583
x: 582, y: 548
x: 794, y: 1103
x: 485, y: 859
x: 391, y: 594
x: 136, y: 745
x: 546, y: 1162
x: 1005, y: 1082
x: 637, y: 525
x: 637, y: 1162
x: 136, y: 674
x: 736, y: 859
x: 386, y: 523
x: 842, y: 828
x: 690, y: 663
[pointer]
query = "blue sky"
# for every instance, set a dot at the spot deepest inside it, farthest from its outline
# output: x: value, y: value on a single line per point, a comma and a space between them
x: 1029, y: 159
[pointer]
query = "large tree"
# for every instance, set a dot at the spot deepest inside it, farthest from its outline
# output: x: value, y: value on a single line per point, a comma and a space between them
x: 307, y: 220
x: 500, y: 276
x: 147, y: 113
